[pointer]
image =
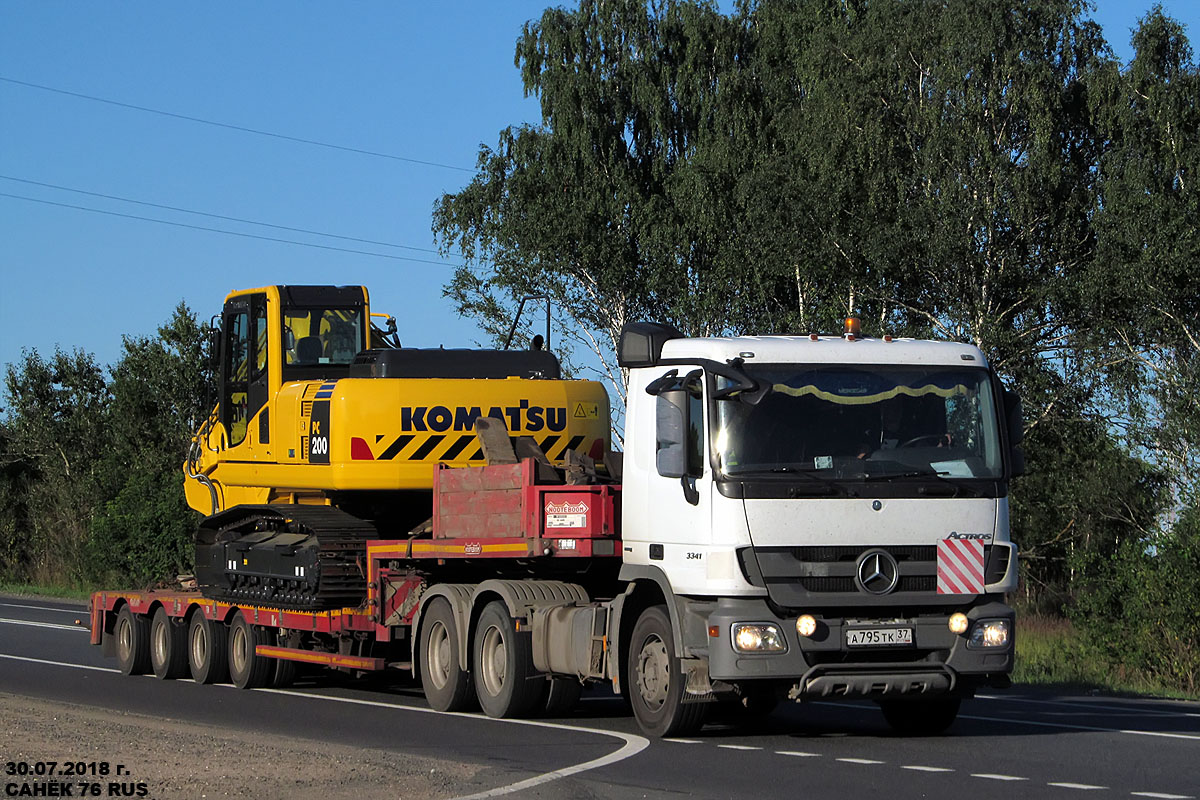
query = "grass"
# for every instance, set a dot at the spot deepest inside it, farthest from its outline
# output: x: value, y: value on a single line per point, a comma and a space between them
x: 1050, y: 652
x: 36, y: 590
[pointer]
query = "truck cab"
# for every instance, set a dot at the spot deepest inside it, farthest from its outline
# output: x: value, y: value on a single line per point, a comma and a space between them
x: 828, y: 515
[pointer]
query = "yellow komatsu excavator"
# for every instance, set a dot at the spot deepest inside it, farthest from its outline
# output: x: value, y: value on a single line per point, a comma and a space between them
x: 326, y: 433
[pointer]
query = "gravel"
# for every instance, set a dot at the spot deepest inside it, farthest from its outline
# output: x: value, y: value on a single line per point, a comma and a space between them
x: 182, y: 760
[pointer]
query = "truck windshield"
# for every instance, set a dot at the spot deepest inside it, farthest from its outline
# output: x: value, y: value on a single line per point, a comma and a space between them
x: 863, y: 422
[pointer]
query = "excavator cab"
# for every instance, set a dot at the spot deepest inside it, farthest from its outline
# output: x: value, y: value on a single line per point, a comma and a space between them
x: 279, y: 334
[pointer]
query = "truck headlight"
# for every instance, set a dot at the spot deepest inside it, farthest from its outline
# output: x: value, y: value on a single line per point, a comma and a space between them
x: 989, y: 633
x: 758, y: 637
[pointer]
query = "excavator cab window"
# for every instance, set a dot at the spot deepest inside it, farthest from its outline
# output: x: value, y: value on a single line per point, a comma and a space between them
x: 245, y: 361
x: 323, y: 336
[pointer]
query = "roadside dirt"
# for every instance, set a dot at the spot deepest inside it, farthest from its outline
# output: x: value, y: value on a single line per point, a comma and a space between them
x: 184, y: 761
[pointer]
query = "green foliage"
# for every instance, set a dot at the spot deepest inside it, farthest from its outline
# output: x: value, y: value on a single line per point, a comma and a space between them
x: 1140, y: 605
x: 90, y: 480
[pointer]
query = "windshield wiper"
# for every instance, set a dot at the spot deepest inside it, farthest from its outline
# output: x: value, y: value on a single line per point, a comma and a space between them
x: 941, y: 477
x: 920, y: 473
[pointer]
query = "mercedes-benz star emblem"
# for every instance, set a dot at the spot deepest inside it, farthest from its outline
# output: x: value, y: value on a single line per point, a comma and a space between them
x: 877, y: 572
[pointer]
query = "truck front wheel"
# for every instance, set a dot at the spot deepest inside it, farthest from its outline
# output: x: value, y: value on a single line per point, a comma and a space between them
x: 920, y: 717
x: 655, y: 679
x: 505, y: 681
x: 447, y: 685
x: 133, y: 642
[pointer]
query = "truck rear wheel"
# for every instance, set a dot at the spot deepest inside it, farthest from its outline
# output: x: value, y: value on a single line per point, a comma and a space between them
x: 920, y: 717
x: 505, y: 681
x: 208, y: 654
x: 655, y: 679
x: 447, y: 685
x: 133, y: 642
x: 247, y: 669
x: 168, y: 647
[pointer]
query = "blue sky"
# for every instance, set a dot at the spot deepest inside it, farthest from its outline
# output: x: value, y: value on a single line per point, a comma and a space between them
x: 423, y: 81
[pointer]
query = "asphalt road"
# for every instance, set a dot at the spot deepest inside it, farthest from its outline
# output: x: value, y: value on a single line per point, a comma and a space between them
x: 1019, y: 743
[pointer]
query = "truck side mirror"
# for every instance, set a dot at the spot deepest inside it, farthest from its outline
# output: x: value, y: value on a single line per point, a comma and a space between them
x: 1016, y: 432
x: 671, y: 433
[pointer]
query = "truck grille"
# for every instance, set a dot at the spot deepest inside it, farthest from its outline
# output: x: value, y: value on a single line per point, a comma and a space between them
x: 825, y: 575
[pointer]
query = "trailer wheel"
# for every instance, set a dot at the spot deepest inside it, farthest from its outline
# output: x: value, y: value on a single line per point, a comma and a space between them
x: 562, y: 695
x: 505, y: 681
x: 920, y: 717
x: 168, y: 646
x: 284, y: 673
x: 208, y: 655
x: 133, y: 642
x: 447, y: 685
x: 656, y: 684
x: 247, y: 669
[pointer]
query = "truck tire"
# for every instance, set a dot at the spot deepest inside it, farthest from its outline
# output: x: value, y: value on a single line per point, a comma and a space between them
x: 655, y: 679
x: 247, y: 669
x: 208, y: 651
x: 505, y: 681
x: 447, y: 685
x: 133, y: 642
x: 920, y: 717
x: 562, y: 695
x: 168, y: 647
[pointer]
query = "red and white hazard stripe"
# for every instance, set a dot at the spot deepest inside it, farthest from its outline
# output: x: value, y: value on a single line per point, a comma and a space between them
x: 960, y: 566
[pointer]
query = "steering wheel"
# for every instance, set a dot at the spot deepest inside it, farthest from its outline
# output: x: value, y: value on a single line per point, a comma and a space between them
x: 930, y: 437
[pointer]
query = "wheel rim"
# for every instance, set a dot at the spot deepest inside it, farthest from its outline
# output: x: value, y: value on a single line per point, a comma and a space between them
x: 124, y: 637
x: 199, y: 645
x: 158, y: 644
x: 438, y: 655
x: 653, y: 668
x: 493, y: 657
x: 238, y: 651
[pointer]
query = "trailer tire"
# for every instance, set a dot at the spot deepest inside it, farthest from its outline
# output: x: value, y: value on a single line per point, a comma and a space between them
x: 505, y: 682
x: 168, y: 646
x: 920, y: 717
x: 447, y: 685
x: 132, y: 633
x: 655, y: 679
x: 284, y: 674
x: 208, y: 653
x: 562, y: 695
x: 247, y: 669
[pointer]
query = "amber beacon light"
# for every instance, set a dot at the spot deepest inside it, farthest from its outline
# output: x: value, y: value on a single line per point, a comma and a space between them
x: 853, y: 328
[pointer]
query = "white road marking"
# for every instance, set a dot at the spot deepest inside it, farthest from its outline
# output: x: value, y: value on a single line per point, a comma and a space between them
x: 76, y: 612
x: 44, y: 624
x: 861, y: 761
x: 738, y: 747
x: 922, y: 768
x: 1084, y: 706
x: 1074, y: 727
x: 797, y: 753
x: 991, y: 777
x: 1162, y: 796
x: 1076, y: 786
x: 58, y: 663
x: 684, y: 741
x: 632, y: 743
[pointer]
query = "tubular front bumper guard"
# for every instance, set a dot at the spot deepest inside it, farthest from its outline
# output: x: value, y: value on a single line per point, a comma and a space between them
x: 874, y: 680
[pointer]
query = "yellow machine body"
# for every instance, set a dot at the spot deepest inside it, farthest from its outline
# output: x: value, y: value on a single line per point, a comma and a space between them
x: 293, y: 426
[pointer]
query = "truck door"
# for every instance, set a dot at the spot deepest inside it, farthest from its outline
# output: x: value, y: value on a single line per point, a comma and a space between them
x: 681, y: 489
